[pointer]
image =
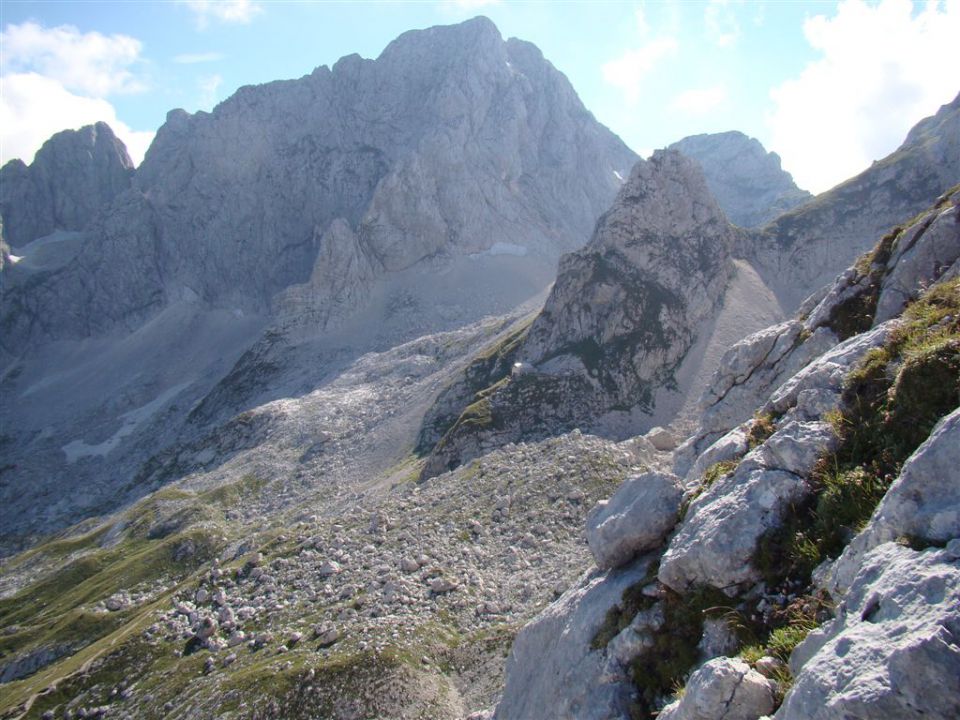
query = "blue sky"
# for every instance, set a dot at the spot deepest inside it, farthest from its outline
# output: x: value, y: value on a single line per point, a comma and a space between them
x: 830, y: 86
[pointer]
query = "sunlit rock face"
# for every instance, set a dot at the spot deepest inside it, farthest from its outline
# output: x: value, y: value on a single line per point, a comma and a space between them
x: 747, y: 181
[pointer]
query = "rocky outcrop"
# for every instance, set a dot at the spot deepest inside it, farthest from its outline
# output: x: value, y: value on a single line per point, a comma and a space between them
x: 906, y: 260
x: 892, y: 651
x: 553, y: 672
x: 922, y: 506
x: 622, y: 314
x: 804, y: 249
x: 746, y: 180
x: 768, y: 536
x: 717, y: 539
x: 74, y: 176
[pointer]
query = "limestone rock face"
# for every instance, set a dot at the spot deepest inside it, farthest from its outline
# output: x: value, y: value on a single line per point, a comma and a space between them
x: 805, y: 248
x: 715, y: 542
x: 923, y: 252
x: 624, y: 309
x: 892, y: 650
x: 746, y: 180
x: 297, y: 226
x: 552, y: 671
x: 75, y: 175
x: 622, y: 314
x: 636, y: 518
x: 920, y: 256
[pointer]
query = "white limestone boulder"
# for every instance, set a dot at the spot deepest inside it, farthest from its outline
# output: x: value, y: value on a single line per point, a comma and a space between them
x: 893, y: 652
x: 637, y: 518
x: 723, y: 689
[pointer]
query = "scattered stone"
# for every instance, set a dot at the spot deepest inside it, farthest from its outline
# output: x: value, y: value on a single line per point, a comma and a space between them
x: 662, y: 439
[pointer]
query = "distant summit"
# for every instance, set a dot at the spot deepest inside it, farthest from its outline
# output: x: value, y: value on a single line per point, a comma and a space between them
x: 73, y: 177
x: 746, y: 180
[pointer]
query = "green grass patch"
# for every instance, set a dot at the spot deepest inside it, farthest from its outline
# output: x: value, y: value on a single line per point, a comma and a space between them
x: 892, y: 400
x: 717, y: 471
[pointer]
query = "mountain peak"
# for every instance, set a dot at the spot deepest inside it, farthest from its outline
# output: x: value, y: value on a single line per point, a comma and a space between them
x: 74, y: 175
x: 748, y: 182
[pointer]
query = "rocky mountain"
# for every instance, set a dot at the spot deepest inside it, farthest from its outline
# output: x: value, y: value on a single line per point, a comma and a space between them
x: 302, y: 432
x: 802, y: 250
x: 621, y: 316
x: 373, y: 203
x: 74, y: 176
x: 593, y: 360
x: 746, y: 180
x: 790, y: 569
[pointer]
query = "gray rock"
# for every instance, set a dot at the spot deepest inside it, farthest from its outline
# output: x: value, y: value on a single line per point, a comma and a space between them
x: 717, y: 539
x: 746, y: 180
x: 441, y: 585
x: 920, y: 256
x: 552, y: 672
x: 724, y: 688
x: 796, y: 447
x: 623, y: 313
x: 661, y: 438
x: 731, y: 446
x: 923, y: 504
x: 892, y: 651
x: 74, y: 177
x: 635, y: 519
x: 746, y: 376
x: 828, y: 371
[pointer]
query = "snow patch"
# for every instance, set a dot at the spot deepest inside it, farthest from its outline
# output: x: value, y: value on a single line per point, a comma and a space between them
x: 618, y: 176
x: 131, y: 421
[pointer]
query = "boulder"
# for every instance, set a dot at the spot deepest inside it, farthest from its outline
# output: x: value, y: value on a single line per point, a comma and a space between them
x: 892, y: 652
x: 637, y: 518
x: 661, y: 438
x: 921, y: 254
x: 716, y: 540
x: 723, y: 688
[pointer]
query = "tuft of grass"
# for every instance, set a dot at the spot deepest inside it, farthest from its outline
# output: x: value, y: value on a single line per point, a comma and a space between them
x: 764, y: 425
x: 717, y: 471
x: 891, y: 401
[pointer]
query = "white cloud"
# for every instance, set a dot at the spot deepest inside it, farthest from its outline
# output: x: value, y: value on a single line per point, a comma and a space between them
x: 34, y: 107
x: 194, y: 58
x: 640, y: 17
x: 228, y: 11
x: 881, y: 69
x: 208, y: 85
x: 698, y: 101
x: 721, y: 22
x: 58, y: 78
x: 628, y: 71
x: 88, y: 63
